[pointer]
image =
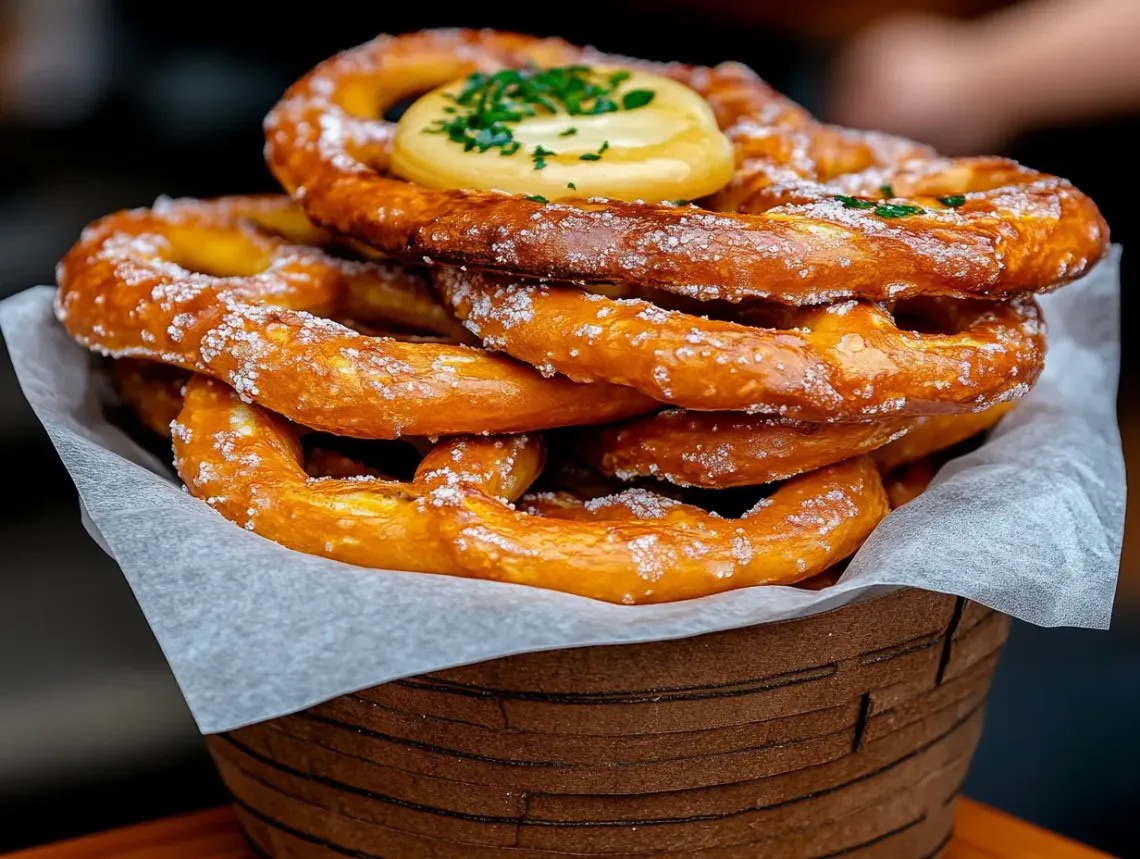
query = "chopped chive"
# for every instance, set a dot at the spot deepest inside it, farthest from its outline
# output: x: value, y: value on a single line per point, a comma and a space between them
x: 897, y: 211
x: 590, y: 156
x: 854, y: 202
x: 886, y: 190
x: 571, y: 186
x: 637, y: 98
x: 539, y: 163
x: 681, y: 202
x: 953, y: 201
x: 605, y: 146
x: 486, y: 105
x: 537, y: 198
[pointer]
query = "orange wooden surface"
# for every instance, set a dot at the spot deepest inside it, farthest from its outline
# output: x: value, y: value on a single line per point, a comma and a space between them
x: 981, y: 833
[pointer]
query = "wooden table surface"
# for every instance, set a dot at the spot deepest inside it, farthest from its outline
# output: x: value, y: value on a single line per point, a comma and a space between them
x: 981, y: 833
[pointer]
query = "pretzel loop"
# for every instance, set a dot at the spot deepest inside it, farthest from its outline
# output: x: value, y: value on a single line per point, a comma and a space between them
x: 200, y: 286
x: 794, y: 241
x: 454, y: 517
x: 843, y: 362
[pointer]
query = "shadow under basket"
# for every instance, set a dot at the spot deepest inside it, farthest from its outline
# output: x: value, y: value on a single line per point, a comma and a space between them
x: 847, y: 734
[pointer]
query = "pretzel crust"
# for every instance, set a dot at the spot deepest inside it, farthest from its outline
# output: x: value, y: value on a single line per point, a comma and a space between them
x: 718, y: 450
x: 135, y: 286
x: 842, y: 362
x: 1017, y: 230
x: 455, y: 517
x: 931, y: 434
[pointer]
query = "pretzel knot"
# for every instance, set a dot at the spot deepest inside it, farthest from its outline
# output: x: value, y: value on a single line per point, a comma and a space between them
x: 236, y: 289
x: 842, y: 362
x: 811, y: 214
x: 456, y: 516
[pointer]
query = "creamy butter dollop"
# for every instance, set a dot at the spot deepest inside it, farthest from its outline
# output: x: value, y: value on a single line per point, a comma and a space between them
x: 644, y: 137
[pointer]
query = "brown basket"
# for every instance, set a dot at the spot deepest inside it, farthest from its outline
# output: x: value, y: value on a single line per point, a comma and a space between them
x: 845, y: 734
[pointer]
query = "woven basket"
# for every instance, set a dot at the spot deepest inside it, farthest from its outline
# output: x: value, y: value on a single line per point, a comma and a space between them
x: 845, y: 734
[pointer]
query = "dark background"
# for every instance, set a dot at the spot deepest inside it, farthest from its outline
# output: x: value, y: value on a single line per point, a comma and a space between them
x: 105, y: 105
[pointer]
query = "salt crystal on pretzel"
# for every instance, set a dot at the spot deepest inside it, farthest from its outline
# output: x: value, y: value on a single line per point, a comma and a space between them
x: 456, y: 517
x: 975, y: 227
x: 199, y: 285
x: 842, y: 362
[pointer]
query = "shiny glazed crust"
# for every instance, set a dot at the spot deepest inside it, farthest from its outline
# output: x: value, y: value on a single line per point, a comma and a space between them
x: 840, y: 362
x: 779, y: 232
x: 135, y: 286
x: 717, y: 450
x: 455, y: 517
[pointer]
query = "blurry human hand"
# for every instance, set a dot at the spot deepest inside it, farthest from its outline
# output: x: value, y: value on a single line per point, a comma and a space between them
x: 912, y: 75
x: 967, y: 86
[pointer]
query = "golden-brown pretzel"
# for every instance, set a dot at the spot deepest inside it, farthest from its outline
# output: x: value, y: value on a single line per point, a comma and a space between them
x: 151, y: 390
x: 907, y: 482
x: 136, y: 285
x: 1014, y: 230
x: 840, y: 362
x: 724, y: 449
x: 455, y: 517
x: 934, y: 433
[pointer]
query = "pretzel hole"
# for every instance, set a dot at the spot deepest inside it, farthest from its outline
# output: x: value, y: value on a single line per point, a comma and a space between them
x: 328, y: 455
x: 217, y: 253
x: 930, y: 316
x: 729, y: 503
x: 397, y: 109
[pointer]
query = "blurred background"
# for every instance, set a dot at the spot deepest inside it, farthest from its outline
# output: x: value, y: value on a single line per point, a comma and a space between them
x: 107, y: 104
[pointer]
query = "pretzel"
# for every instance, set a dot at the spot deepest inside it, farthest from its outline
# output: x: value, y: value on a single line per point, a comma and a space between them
x: 455, y: 516
x: 907, y: 482
x: 820, y: 218
x: 206, y: 286
x: 931, y: 434
x: 152, y: 391
x: 724, y: 449
x: 842, y: 362
x: 718, y: 450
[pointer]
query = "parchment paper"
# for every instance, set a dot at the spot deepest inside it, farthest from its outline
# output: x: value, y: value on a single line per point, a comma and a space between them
x: 1030, y: 524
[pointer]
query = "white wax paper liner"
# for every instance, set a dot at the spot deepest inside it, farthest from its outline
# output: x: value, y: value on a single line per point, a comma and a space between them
x: 1030, y: 524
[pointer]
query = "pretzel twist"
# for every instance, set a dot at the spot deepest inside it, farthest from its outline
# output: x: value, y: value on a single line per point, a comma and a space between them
x: 455, y: 517
x: 841, y: 362
x: 201, y: 286
x: 792, y: 241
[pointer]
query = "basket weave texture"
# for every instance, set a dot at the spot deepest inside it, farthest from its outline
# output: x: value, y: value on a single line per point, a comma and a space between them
x: 846, y: 734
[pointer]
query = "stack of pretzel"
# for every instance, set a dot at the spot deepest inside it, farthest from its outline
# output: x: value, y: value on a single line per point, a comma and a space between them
x: 591, y: 383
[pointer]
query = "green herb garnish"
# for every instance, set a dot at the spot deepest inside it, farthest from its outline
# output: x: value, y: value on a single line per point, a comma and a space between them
x: 953, y: 201
x: 891, y: 210
x: 487, y: 105
x: 886, y: 190
x: 537, y: 198
x: 636, y: 98
x: 571, y: 186
x: 590, y: 156
x: 883, y: 210
x: 681, y: 202
x: 854, y: 202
